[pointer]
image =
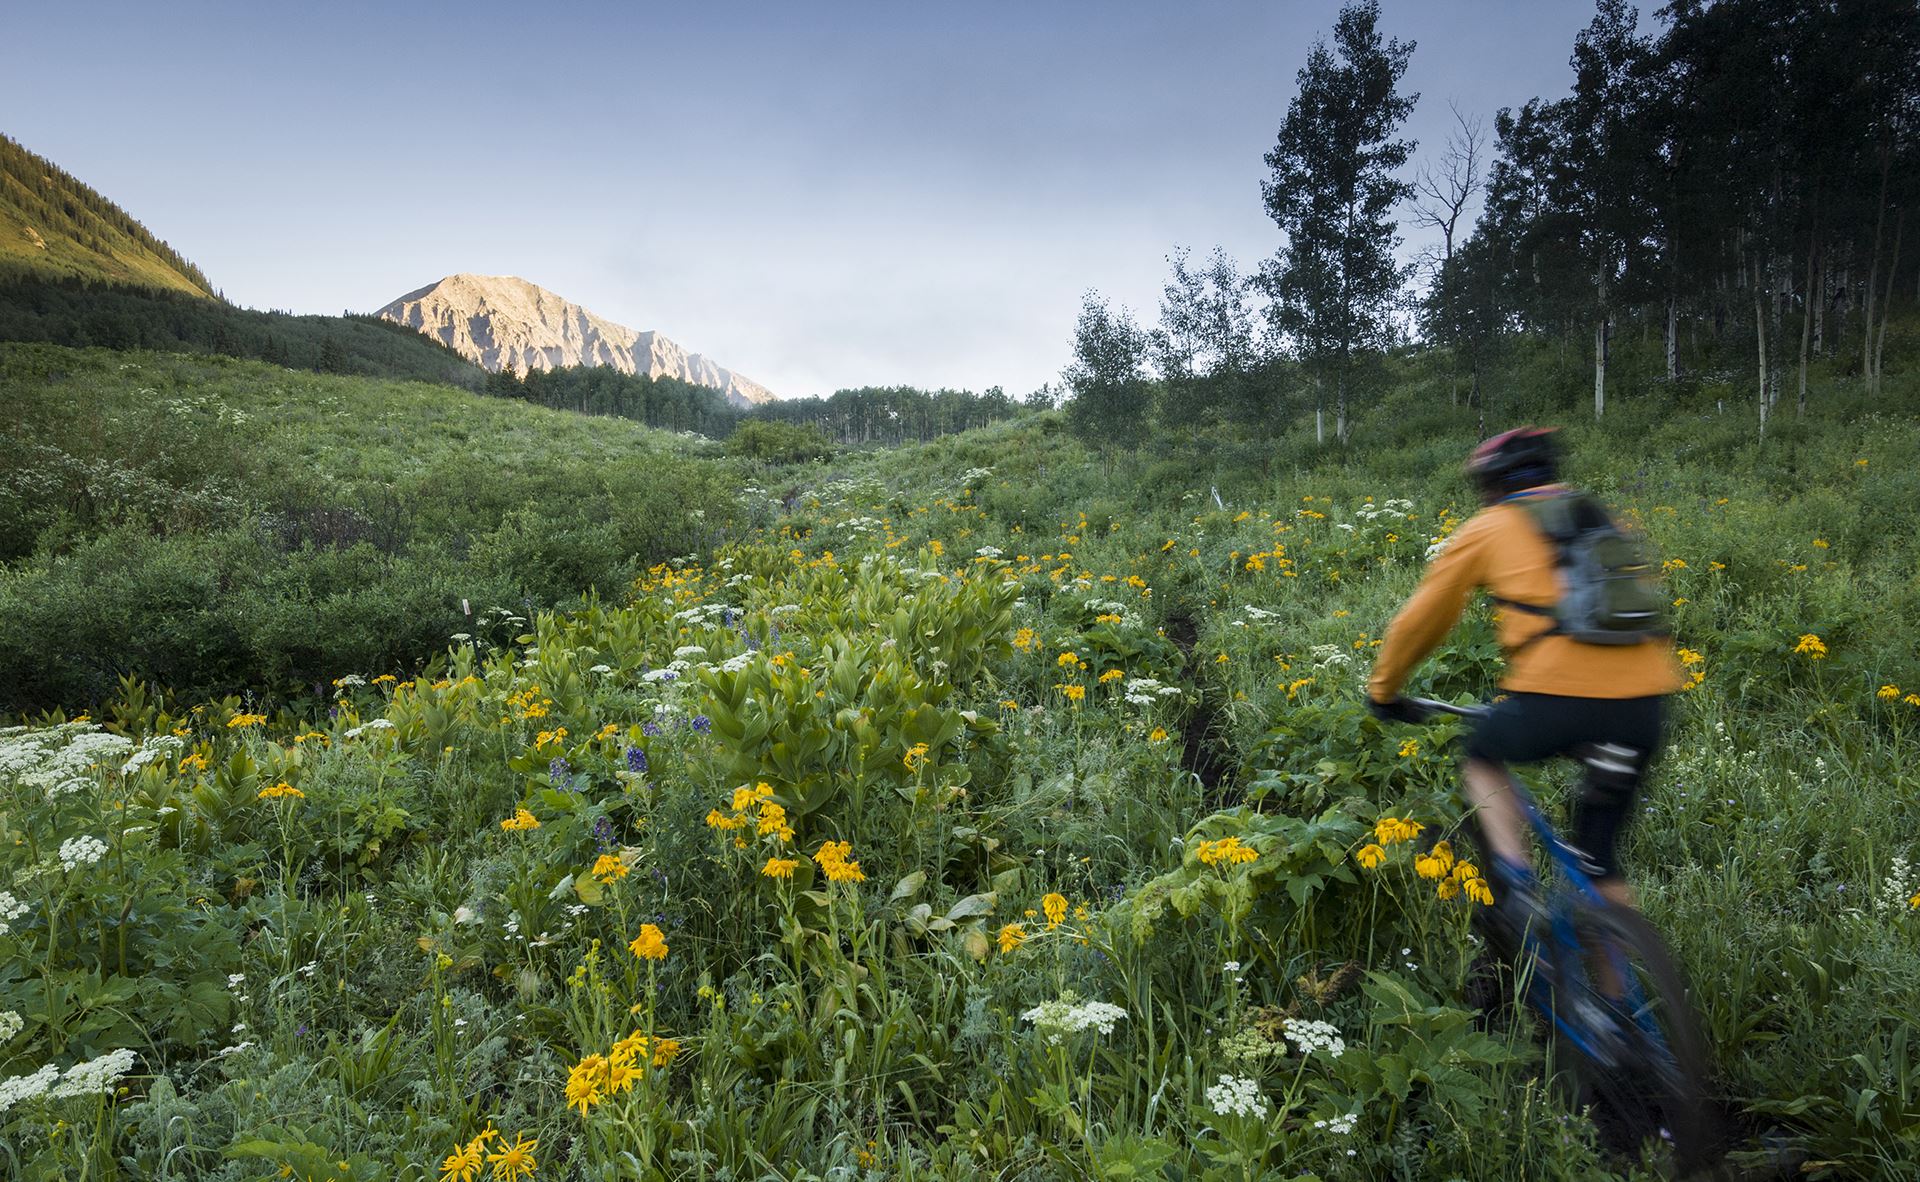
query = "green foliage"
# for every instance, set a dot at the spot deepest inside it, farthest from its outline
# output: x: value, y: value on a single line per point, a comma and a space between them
x: 778, y: 443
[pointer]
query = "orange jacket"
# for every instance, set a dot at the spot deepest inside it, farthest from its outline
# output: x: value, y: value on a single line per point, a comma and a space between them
x: 1501, y: 549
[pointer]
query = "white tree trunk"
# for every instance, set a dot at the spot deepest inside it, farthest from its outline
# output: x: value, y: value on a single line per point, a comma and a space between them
x: 1760, y: 333
x: 1673, y: 338
x: 1600, y: 368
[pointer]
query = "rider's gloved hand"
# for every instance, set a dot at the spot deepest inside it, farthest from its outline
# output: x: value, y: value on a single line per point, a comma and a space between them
x: 1396, y: 709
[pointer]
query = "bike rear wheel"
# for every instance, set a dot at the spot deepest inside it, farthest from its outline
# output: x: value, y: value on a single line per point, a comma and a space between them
x: 1644, y: 1065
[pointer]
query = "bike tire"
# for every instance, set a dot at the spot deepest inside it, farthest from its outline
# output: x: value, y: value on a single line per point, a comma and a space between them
x: 1649, y: 1074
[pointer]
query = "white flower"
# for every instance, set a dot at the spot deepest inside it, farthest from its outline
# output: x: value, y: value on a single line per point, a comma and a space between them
x: 465, y: 915
x: 1232, y: 966
x: 1309, y: 1037
x: 235, y: 980
x: 601, y: 669
x: 689, y: 650
x: 377, y: 724
x: 1338, y: 1125
x: 27, y: 1087
x: 1067, y: 1014
x: 76, y: 852
x: 235, y: 1049
x: 737, y: 663
x: 10, y: 1024
x: 1237, y: 1096
x: 94, y: 1077
x: 10, y: 910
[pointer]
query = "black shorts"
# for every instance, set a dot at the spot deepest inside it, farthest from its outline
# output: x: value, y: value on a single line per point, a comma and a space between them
x: 1615, y: 738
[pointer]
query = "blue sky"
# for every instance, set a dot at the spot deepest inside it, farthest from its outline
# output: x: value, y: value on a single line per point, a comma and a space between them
x: 816, y: 195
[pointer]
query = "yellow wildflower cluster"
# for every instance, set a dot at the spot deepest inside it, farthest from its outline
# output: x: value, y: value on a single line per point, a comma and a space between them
x: 1011, y: 936
x: 282, y: 791
x: 556, y: 737
x: 780, y: 867
x: 519, y: 821
x: 1025, y: 640
x: 1227, y: 851
x: 511, y: 1160
x: 649, y: 944
x: 753, y: 807
x: 528, y: 703
x: 1392, y: 830
x: 832, y: 858
x: 610, y: 867
x: 1409, y: 748
x: 1812, y: 647
x: 1074, y: 693
x: 596, y: 1078
x: 195, y: 762
x: 916, y: 757
x: 1055, y: 907
x: 240, y: 721
x: 1694, y: 668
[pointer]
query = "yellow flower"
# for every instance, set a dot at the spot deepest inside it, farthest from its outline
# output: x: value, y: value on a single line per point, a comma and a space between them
x: 520, y: 820
x: 1465, y: 870
x: 649, y: 944
x: 1820, y: 543
x: 1024, y: 639
x: 280, y: 791
x: 1074, y: 693
x: 1055, y: 905
x: 780, y: 867
x: 466, y: 1162
x: 1393, y: 830
x: 1409, y: 748
x: 608, y: 867
x: 1112, y: 675
x: 515, y: 1161
x: 916, y: 757
x: 1011, y: 937
x: 1448, y: 888
x: 1479, y: 892
x: 1812, y: 646
x: 773, y: 821
x: 1912, y: 699
x: 1437, y: 863
x: 1889, y: 692
x: 1159, y: 735
x: 1227, y: 850
x: 1068, y: 660
x: 245, y: 720
x: 833, y: 861
x: 587, y: 1083
x: 1370, y: 856
x: 1690, y: 657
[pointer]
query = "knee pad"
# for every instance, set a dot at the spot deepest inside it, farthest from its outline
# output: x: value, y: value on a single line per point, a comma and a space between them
x: 1612, y: 775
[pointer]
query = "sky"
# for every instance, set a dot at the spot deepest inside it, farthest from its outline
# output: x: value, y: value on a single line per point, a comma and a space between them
x: 816, y: 195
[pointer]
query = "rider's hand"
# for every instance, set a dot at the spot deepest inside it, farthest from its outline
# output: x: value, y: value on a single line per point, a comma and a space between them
x: 1396, y: 709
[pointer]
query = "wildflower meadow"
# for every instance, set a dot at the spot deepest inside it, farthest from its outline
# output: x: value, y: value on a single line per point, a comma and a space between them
x: 991, y: 808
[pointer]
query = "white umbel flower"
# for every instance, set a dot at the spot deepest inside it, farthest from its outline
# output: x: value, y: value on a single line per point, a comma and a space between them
x: 1237, y: 1096
x: 76, y: 852
x: 1311, y: 1037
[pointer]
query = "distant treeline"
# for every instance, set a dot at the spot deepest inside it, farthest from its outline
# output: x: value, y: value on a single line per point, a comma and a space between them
x: 80, y: 313
x: 869, y: 416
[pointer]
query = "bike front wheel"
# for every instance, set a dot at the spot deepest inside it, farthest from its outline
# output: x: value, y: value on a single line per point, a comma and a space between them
x: 1638, y: 1049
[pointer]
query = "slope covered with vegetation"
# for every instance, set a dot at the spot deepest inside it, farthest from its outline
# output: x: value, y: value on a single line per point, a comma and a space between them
x: 579, y: 879
x: 52, y: 224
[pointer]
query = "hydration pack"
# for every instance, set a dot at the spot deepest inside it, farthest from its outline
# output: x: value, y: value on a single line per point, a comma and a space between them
x: 1608, y: 590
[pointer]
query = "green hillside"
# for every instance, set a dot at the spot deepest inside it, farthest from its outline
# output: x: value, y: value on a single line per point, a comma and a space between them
x: 52, y: 224
x: 379, y: 883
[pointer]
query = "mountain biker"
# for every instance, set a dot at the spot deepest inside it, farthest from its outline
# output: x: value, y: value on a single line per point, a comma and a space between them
x: 1562, y: 697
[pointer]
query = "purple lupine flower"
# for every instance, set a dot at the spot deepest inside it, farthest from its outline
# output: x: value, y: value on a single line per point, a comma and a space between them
x: 703, y: 724
x: 650, y: 729
x: 603, y: 832
x: 636, y: 761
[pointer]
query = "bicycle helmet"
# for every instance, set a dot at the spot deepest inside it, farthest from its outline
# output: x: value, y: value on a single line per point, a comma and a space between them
x: 1525, y: 457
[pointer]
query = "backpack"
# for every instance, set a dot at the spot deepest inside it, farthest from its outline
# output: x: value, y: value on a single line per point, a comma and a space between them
x: 1608, y: 592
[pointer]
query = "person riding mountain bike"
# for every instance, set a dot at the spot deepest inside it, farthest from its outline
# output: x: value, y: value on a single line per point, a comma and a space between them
x: 1568, y: 688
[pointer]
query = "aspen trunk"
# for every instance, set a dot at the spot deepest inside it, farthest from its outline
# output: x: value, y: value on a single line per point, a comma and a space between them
x: 1873, y: 274
x: 1760, y: 335
x: 1600, y: 368
x: 1886, y: 305
x: 1673, y: 338
x: 1340, y: 408
x: 1811, y: 297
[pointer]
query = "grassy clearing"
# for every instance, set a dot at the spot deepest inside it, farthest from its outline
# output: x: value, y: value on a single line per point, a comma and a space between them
x: 1049, y: 700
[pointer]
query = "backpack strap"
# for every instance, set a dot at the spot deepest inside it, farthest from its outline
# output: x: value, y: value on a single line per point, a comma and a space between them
x: 1557, y: 514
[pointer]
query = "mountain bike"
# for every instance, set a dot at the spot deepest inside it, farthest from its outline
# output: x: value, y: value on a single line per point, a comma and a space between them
x: 1601, y: 976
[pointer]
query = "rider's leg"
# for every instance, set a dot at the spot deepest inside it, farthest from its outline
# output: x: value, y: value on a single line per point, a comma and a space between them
x: 1503, y: 823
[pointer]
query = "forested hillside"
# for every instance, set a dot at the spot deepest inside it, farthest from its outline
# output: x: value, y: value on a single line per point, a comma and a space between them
x: 51, y: 224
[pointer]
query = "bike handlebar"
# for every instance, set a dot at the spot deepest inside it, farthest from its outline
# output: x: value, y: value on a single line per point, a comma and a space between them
x: 1432, y: 706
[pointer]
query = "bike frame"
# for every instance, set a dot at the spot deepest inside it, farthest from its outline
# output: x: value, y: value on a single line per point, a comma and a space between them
x: 1561, y: 947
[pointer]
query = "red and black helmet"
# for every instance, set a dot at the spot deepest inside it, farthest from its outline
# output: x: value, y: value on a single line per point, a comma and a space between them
x: 1525, y: 457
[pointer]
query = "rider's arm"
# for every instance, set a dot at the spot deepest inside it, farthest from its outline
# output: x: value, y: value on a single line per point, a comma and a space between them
x: 1434, y: 609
